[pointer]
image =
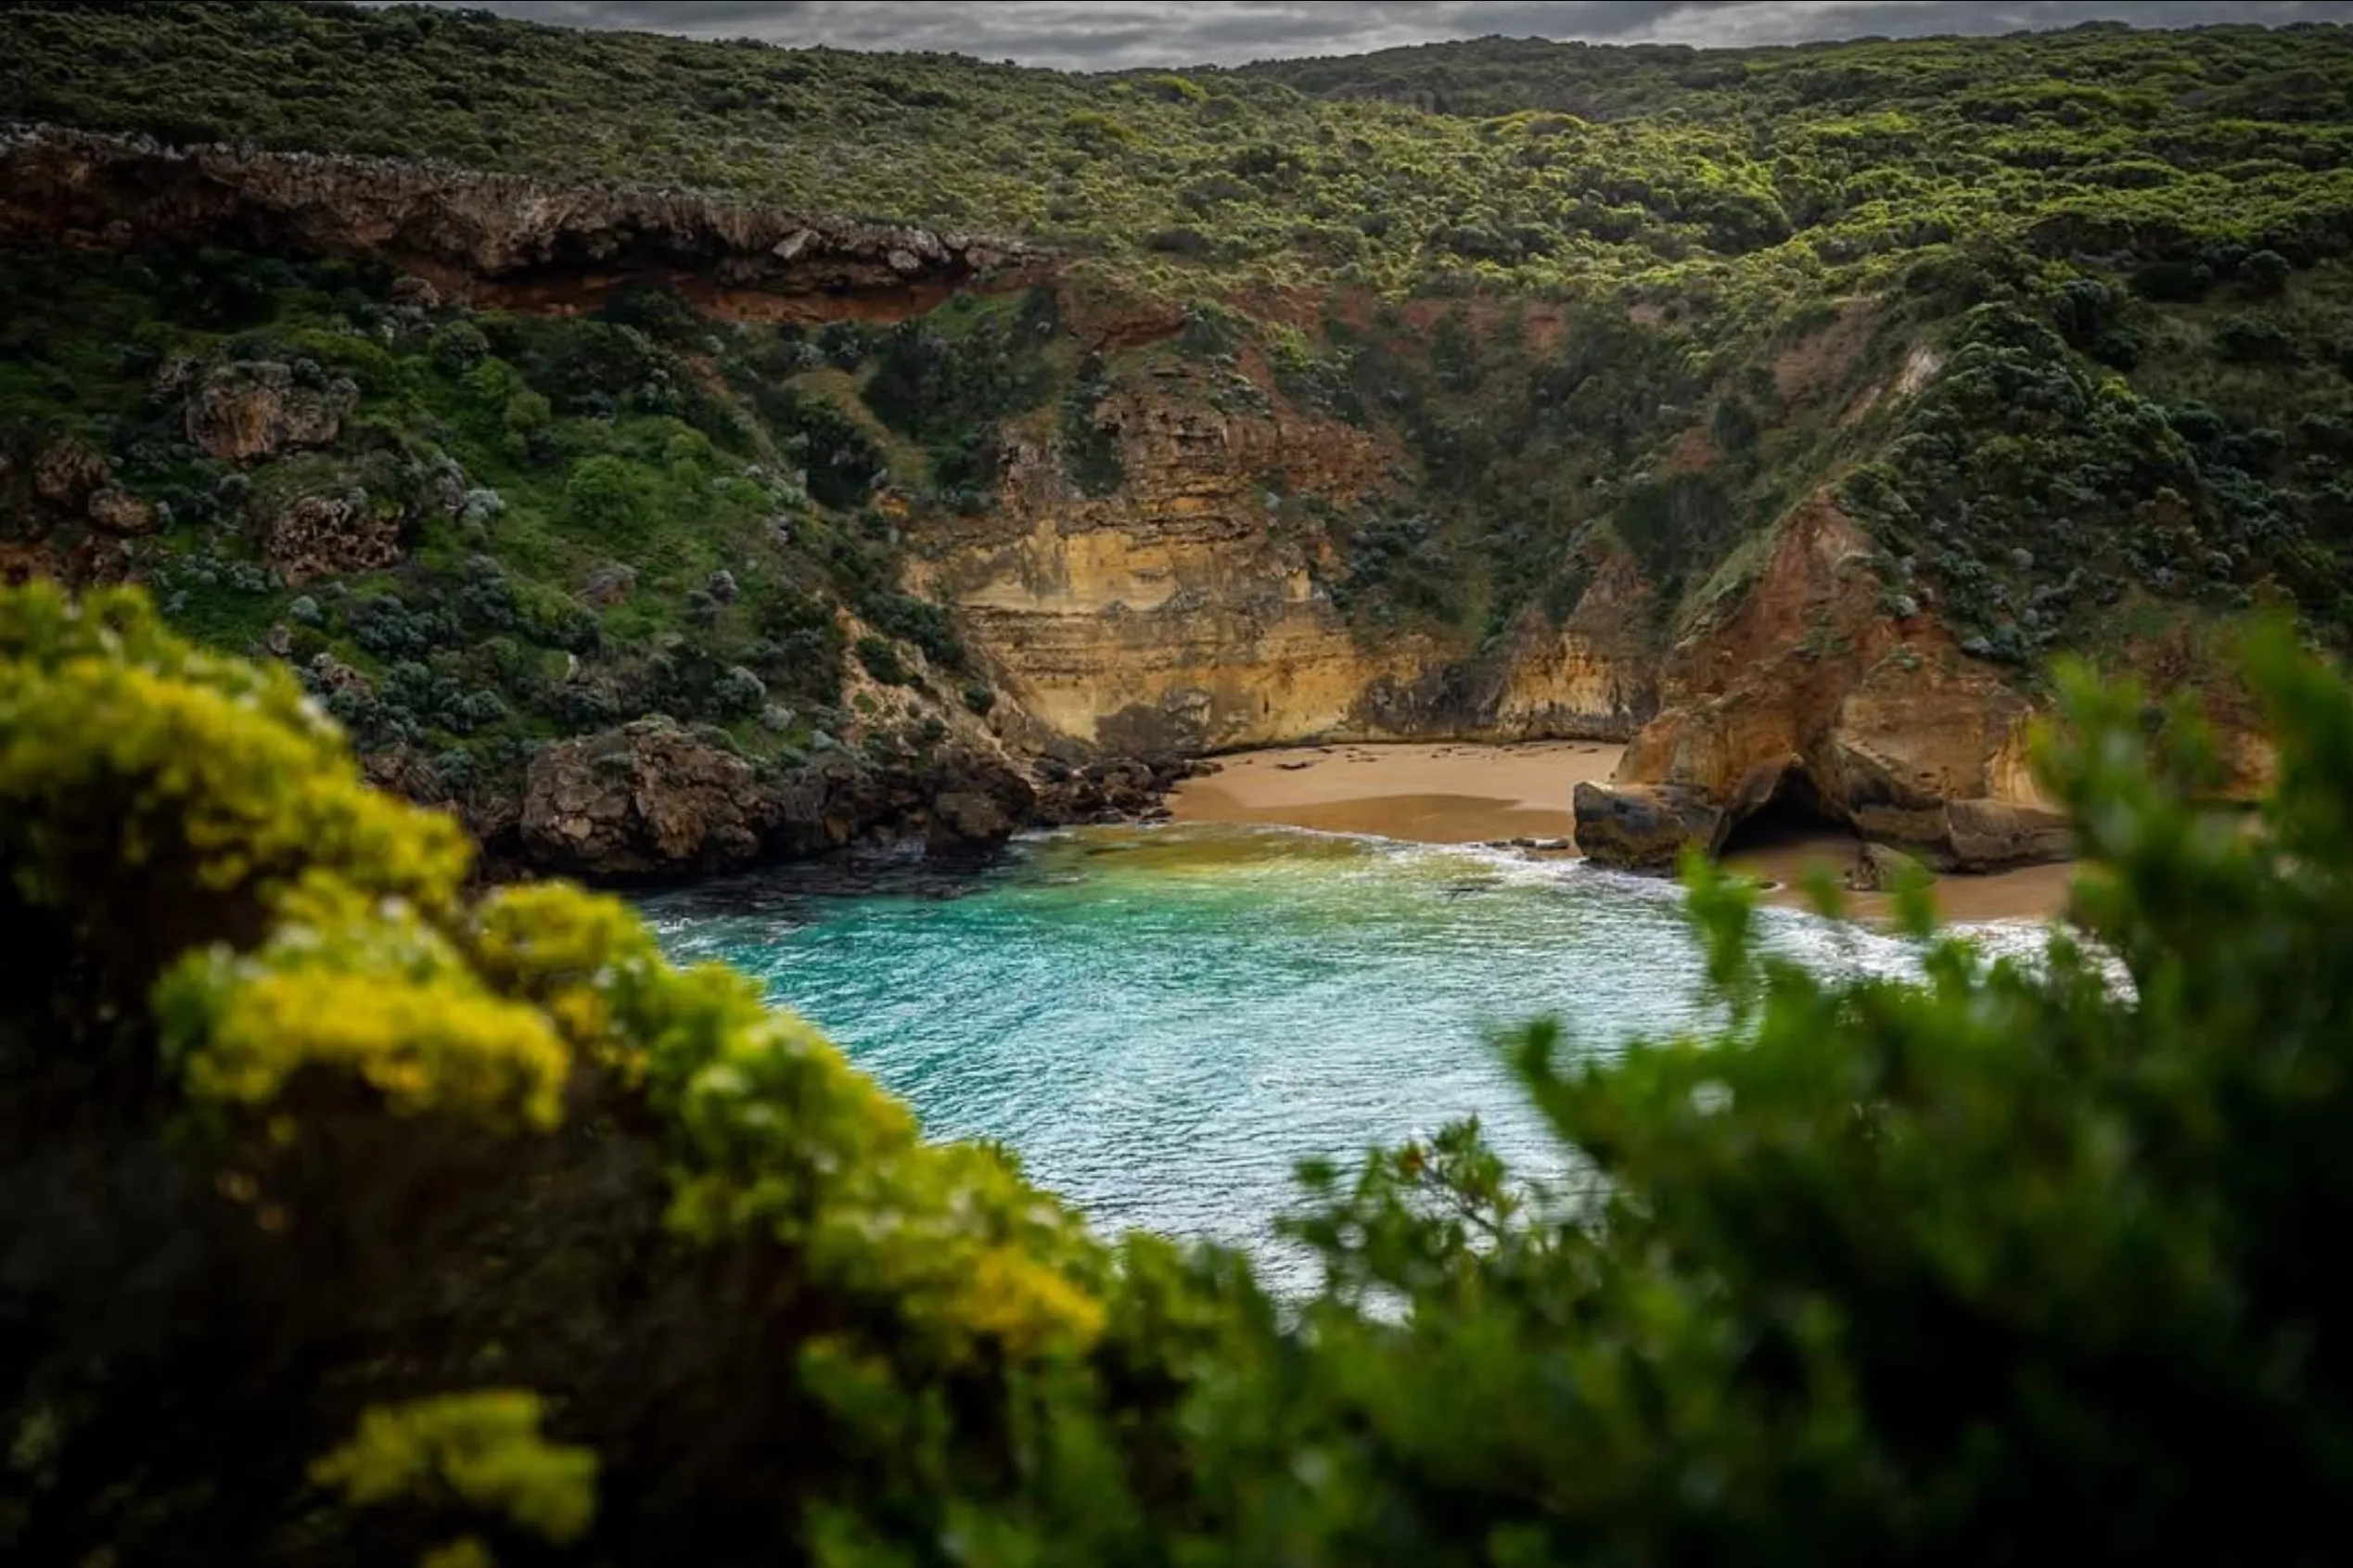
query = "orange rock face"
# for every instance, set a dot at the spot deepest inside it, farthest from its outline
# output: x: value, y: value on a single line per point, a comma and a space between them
x: 1184, y: 608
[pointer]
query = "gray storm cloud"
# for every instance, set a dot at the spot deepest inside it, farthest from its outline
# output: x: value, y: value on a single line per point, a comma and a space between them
x: 1108, y: 37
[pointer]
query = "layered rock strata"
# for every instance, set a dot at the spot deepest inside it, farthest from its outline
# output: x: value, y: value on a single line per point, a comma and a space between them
x: 502, y: 239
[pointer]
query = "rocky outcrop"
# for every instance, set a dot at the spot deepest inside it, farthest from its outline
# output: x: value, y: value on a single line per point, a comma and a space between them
x: 1107, y: 789
x: 247, y: 410
x: 656, y: 799
x: 66, y: 473
x: 1810, y: 690
x: 648, y: 799
x: 116, y: 511
x: 960, y: 803
x: 321, y: 536
x: 1645, y: 827
x: 1185, y: 609
x: 500, y: 239
x: 1981, y: 835
x: 63, y: 481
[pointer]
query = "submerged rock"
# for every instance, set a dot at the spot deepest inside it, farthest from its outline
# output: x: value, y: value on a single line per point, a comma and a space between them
x: 964, y: 820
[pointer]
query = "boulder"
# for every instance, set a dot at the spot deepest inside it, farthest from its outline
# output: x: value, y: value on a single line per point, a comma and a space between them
x: 1880, y: 868
x: 116, y: 511
x: 1645, y: 827
x: 607, y: 586
x: 315, y: 536
x: 250, y: 410
x: 418, y: 292
x: 965, y: 819
x: 649, y: 800
x: 1990, y: 835
x: 978, y: 802
x: 67, y: 472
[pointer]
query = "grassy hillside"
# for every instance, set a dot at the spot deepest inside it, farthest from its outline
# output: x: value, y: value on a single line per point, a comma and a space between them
x: 1556, y: 165
x: 596, y: 516
x: 2065, y: 319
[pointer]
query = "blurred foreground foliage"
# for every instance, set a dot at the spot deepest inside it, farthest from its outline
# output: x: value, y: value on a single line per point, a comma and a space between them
x: 350, y: 1214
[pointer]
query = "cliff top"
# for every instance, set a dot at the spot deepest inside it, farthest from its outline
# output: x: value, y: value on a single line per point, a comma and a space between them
x: 1526, y: 163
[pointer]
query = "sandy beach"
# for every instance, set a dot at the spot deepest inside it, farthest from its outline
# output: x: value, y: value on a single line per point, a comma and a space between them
x: 1430, y: 794
x: 1467, y: 793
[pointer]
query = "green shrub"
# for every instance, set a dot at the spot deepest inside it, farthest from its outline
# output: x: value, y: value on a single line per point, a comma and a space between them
x: 881, y: 660
x: 469, y: 1198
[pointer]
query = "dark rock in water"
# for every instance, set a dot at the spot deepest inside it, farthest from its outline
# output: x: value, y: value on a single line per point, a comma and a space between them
x: 1112, y: 790
x: 962, y: 819
x: 1645, y: 827
x: 655, y: 800
x: 988, y: 803
x: 1879, y: 868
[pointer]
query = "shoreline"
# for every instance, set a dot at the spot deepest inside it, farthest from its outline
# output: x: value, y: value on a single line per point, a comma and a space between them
x: 1465, y: 791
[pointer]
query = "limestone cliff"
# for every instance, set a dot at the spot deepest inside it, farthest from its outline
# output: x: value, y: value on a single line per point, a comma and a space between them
x: 1175, y: 587
x: 1186, y: 609
x: 1816, y: 694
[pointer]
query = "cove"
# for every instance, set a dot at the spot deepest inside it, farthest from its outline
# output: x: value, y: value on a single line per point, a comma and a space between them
x: 1164, y: 1021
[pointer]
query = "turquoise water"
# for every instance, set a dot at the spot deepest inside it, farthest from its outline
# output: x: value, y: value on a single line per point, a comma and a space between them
x: 1165, y: 1021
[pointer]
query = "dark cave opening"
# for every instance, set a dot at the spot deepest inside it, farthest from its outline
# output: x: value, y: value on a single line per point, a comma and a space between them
x: 1791, y: 816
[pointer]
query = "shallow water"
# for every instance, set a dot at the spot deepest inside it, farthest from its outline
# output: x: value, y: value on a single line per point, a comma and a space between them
x: 1165, y: 1021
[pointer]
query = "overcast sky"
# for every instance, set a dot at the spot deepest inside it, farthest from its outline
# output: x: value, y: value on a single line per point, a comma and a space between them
x: 1104, y: 37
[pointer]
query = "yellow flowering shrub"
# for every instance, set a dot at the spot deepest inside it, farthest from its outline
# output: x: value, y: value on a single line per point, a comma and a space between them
x: 445, y: 1136
x: 368, y: 988
x: 182, y: 774
x: 481, y: 1451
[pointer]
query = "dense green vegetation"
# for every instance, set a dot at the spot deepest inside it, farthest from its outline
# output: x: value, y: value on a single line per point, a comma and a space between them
x: 595, y: 517
x: 348, y: 1214
x: 352, y: 1219
x: 1552, y: 163
x: 1737, y: 250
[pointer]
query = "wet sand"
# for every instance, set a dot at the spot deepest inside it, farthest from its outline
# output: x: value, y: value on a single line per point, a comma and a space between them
x: 2034, y: 893
x: 1465, y: 794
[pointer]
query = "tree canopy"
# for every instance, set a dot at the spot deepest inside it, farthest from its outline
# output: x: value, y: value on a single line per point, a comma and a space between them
x: 1447, y: 165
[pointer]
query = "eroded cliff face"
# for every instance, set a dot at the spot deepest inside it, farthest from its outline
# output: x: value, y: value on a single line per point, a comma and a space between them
x: 1187, y: 607
x: 1174, y: 594
x: 502, y: 239
x: 1813, y: 695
